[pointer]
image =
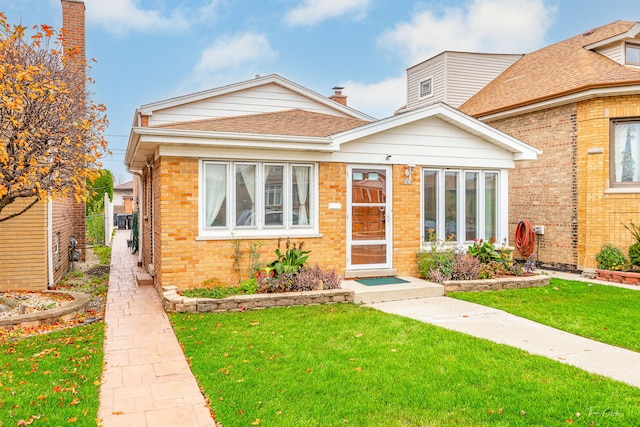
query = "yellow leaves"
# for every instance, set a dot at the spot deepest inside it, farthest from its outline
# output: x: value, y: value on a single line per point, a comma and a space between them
x: 256, y: 422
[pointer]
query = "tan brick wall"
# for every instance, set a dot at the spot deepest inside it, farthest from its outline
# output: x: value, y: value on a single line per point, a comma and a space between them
x: 602, y: 214
x: 406, y: 221
x: 23, y: 245
x: 68, y: 219
x: 545, y: 191
x: 183, y: 261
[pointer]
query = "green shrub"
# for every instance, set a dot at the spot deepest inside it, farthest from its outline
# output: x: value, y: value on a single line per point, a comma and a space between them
x: 436, y: 266
x: 611, y: 258
x: 634, y: 254
x: 307, y: 279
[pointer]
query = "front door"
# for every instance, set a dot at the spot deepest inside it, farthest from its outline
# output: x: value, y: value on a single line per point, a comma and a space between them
x: 369, y: 221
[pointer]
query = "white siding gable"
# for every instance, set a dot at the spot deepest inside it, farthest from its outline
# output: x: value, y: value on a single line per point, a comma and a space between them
x: 266, y: 98
x: 457, y: 76
x: 429, y: 141
x: 614, y: 51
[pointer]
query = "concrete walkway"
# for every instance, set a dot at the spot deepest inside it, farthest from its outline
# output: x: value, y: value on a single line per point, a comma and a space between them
x: 501, y: 327
x: 146, y: 379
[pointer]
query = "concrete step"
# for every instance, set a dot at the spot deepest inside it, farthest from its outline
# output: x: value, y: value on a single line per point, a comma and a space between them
x: 362, y: 274
x: 142, y: 277
x: 416, y: 288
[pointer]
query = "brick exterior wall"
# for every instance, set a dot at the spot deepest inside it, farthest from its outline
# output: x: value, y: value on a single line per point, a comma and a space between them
x: 23, y: 248
x: 545, y: 191
x: 68, y: 219
x: 602, y: 212
x: 406, y: 221
x: 181, y: 260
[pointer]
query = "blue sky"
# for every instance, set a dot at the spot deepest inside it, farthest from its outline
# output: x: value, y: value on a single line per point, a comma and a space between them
x: 149, y: 50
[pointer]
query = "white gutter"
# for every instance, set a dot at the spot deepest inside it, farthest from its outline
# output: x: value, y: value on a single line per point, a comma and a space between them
x: 50, y: 244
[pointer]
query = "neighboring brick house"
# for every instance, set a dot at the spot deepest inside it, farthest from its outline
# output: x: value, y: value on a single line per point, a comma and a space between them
x: 123, y: 198
x: 266, y: 159
x: 579, y: 102
x: 34, y: 246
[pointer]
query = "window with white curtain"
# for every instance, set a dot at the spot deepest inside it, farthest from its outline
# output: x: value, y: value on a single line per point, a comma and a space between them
x: 625, y: 152
x: 459, y: 205
x: 245, y: 196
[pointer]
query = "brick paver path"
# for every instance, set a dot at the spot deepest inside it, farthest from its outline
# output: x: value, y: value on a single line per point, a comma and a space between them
x: 146, y: 379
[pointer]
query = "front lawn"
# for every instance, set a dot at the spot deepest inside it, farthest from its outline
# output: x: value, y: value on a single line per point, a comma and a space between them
x: 52, y: 379
x: 341, y: 365
x: 603, y: 313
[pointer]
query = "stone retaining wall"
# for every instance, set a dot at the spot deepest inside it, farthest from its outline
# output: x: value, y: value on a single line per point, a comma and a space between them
x: 181, y: 304
x: 626, y: 277
x: 64, y: 312
x: 496, y: 284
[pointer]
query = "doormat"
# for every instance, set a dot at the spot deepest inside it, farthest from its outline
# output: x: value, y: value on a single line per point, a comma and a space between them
x: 381, y: 281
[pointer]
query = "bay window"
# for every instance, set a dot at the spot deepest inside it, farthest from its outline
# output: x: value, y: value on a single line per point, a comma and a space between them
x: 459, y: 205
x: 244, y: 197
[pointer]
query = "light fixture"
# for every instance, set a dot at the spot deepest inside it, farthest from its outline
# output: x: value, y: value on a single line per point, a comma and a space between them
x: 408, y: 172
x: 388, y: 157
x: 410, y: 169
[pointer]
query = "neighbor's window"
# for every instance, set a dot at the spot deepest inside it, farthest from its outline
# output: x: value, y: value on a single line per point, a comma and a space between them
x: 632, y: 54
x: 426, y: 87
x: 257, y: 196
x: 625, y: 152
x: 458, y: 205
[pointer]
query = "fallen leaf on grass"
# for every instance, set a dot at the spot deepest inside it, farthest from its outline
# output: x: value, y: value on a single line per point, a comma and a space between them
x: 72, y: 420
x: 256, y: 422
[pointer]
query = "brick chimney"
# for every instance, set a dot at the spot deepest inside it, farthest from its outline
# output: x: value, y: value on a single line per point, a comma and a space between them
x: 338, y: 96
x: 74, y: 41
x: 73, y: 28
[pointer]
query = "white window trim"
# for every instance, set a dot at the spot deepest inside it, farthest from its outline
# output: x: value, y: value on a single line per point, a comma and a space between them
x: 501, y: 210
x: 624, y: 53
x: 259, y: 230
x: 430, y: 94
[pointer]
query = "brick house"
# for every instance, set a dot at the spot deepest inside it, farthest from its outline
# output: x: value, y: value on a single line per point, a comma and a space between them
x: 579, y: 102
x: 123, y: 198
x: 34, y: 246
x: 266, y: 159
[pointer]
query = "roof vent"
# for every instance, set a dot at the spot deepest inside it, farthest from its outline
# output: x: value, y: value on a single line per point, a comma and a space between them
x: 588, y: 33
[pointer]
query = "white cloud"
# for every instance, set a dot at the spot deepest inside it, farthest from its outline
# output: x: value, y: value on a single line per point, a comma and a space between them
x: 125, y: 16
x: 311, y: 12
x: 227, y: 55
x: 495, y: 26
x: 380, y: 99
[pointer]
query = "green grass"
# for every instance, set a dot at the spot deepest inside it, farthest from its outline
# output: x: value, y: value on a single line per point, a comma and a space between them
x: 604, y: 313
x: 342, y: 365
x: 103, y: 253
x: 220, y: 291
x: 53, y: 379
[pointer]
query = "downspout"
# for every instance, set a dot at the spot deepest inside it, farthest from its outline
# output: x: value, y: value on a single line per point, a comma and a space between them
x: 50, y: 283
x: 140, y: 214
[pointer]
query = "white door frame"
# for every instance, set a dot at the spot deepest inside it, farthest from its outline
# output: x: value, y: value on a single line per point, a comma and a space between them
x: 388, y: 206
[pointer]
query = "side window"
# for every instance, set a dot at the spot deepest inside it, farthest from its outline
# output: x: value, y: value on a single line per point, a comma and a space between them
x: 632, y: 54
x: 625, y: 152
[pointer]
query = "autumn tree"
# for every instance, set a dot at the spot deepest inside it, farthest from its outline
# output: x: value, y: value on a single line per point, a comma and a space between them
x: 51, y: 133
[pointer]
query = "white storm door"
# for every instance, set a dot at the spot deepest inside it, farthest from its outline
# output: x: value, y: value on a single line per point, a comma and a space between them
x: 369, y: 241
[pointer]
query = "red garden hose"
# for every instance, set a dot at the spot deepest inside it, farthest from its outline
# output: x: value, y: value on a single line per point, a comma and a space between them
x: 525, y: 239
